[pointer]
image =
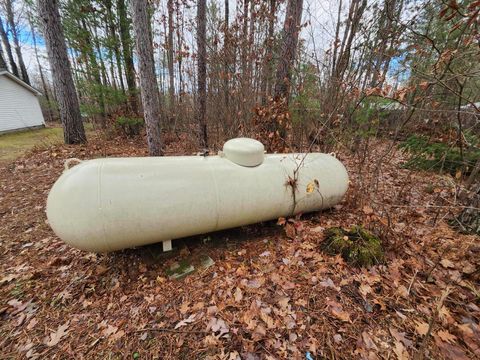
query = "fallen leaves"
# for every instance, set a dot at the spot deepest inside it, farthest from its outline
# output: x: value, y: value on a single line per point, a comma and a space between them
x: 401, y: 336
x: 238, y: 295
x: 337, y: 311
x: 117, y: 336
x: 310, y: 187
x: 186, y: 321
x: 446, y: 336
x: 259, y: 332
x: 450, y: 351
x: 8, y: 278
x: 218, y: 327
x: 447, y: 264
x: 400, y: 351
x: 56, y: 336
x: 368, y: 341
x: 421, y: 328
x: 269, y: 295
x: 367, y: 210
x: 329, y: 283
x: 109, y: 330
x: 365, y: 289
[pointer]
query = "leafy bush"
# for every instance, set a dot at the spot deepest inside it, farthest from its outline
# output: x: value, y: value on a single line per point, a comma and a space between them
x: 439, y: 156
x: 131, y: 126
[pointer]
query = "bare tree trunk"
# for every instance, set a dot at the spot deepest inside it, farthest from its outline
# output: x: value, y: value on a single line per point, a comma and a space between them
x: 171, y: 84
x: 103, y: 68
x: 226, y: 56
x: 337, y: 38
x: 8, y: 49
x: 180, y: 22
x: 385, y: 40
x: 127, y: 54
x: 116, y: 42
x: 148, y: 82
x: 266, y: 87
x: 49, y: 17
x: 202, y: 72
x: 291, y: 29
x: 355, y: 15
x: 3, y: 64
x: 40, y: 69
x: 244, y: 42
x: 95, y: 70
x: 18, y: 51
x: 251, y: 54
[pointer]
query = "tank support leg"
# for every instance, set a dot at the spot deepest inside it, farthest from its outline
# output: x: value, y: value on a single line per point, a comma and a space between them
x: 167, y: 245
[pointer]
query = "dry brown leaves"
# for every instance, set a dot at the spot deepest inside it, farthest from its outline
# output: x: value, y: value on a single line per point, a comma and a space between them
x: 270, y: 294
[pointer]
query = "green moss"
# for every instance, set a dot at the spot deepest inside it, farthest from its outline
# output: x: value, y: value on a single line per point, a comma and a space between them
x: 357, y: 246
x: 180, y: 269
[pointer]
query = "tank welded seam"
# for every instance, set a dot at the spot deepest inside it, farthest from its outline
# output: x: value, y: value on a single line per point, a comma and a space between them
x: 217, y: 196
x: 100, y: 207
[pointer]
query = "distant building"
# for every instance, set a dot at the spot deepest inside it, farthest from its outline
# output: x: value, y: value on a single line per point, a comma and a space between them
x: 19, y: 105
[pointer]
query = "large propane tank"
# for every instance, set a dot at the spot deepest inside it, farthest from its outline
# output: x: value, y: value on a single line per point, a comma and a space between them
x: 110, y: 204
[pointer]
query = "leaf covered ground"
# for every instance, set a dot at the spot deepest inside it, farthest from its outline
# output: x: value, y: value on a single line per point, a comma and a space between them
x: 271, y: 293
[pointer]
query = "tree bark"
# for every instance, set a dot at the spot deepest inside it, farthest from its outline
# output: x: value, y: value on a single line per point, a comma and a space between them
x: 8, y: 49
x: 171, y: 86
x: 3, y: 64
x: 95, y: 71
x: 18, y: 51
x: 244, y: 53
x: 265, y: 89
x: 115, y: 42
x: 180, y: 25
x: 291, y: 29
x: 337, y: 38
x: 127, y: 54
x: 202, y: 73
x: 40, y: 68
x: 355, y: 15
x: 226, y: 57
x: 148, y: 82
x: 49, y: 17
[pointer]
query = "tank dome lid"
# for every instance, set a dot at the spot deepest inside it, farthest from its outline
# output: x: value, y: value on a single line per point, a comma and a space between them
x: 244, y: 151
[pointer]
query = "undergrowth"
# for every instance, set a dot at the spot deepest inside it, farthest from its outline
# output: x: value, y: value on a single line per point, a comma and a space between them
x: 441, y: 157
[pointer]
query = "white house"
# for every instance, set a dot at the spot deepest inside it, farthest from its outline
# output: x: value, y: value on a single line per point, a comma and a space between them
x: 19, y: 105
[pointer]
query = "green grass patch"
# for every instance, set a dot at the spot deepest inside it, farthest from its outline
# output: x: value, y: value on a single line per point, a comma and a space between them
x: 15, y: 144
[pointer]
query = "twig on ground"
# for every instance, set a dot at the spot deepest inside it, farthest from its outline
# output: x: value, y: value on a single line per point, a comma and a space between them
x: 421, y: 351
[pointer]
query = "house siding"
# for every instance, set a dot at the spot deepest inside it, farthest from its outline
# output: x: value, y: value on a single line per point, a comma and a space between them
x: 19, y: 107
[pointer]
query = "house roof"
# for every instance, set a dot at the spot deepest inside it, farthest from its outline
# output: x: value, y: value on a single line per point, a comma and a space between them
x: 19, y: 82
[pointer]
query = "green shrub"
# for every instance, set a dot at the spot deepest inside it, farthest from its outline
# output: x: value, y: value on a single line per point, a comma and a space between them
x: 131, y: 126
x: 439, y: 156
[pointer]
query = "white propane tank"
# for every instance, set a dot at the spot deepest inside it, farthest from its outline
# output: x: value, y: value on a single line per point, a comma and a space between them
x: 110, y: 204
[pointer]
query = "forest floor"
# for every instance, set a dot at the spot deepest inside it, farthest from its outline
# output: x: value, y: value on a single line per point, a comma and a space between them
x: 267, y: 296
